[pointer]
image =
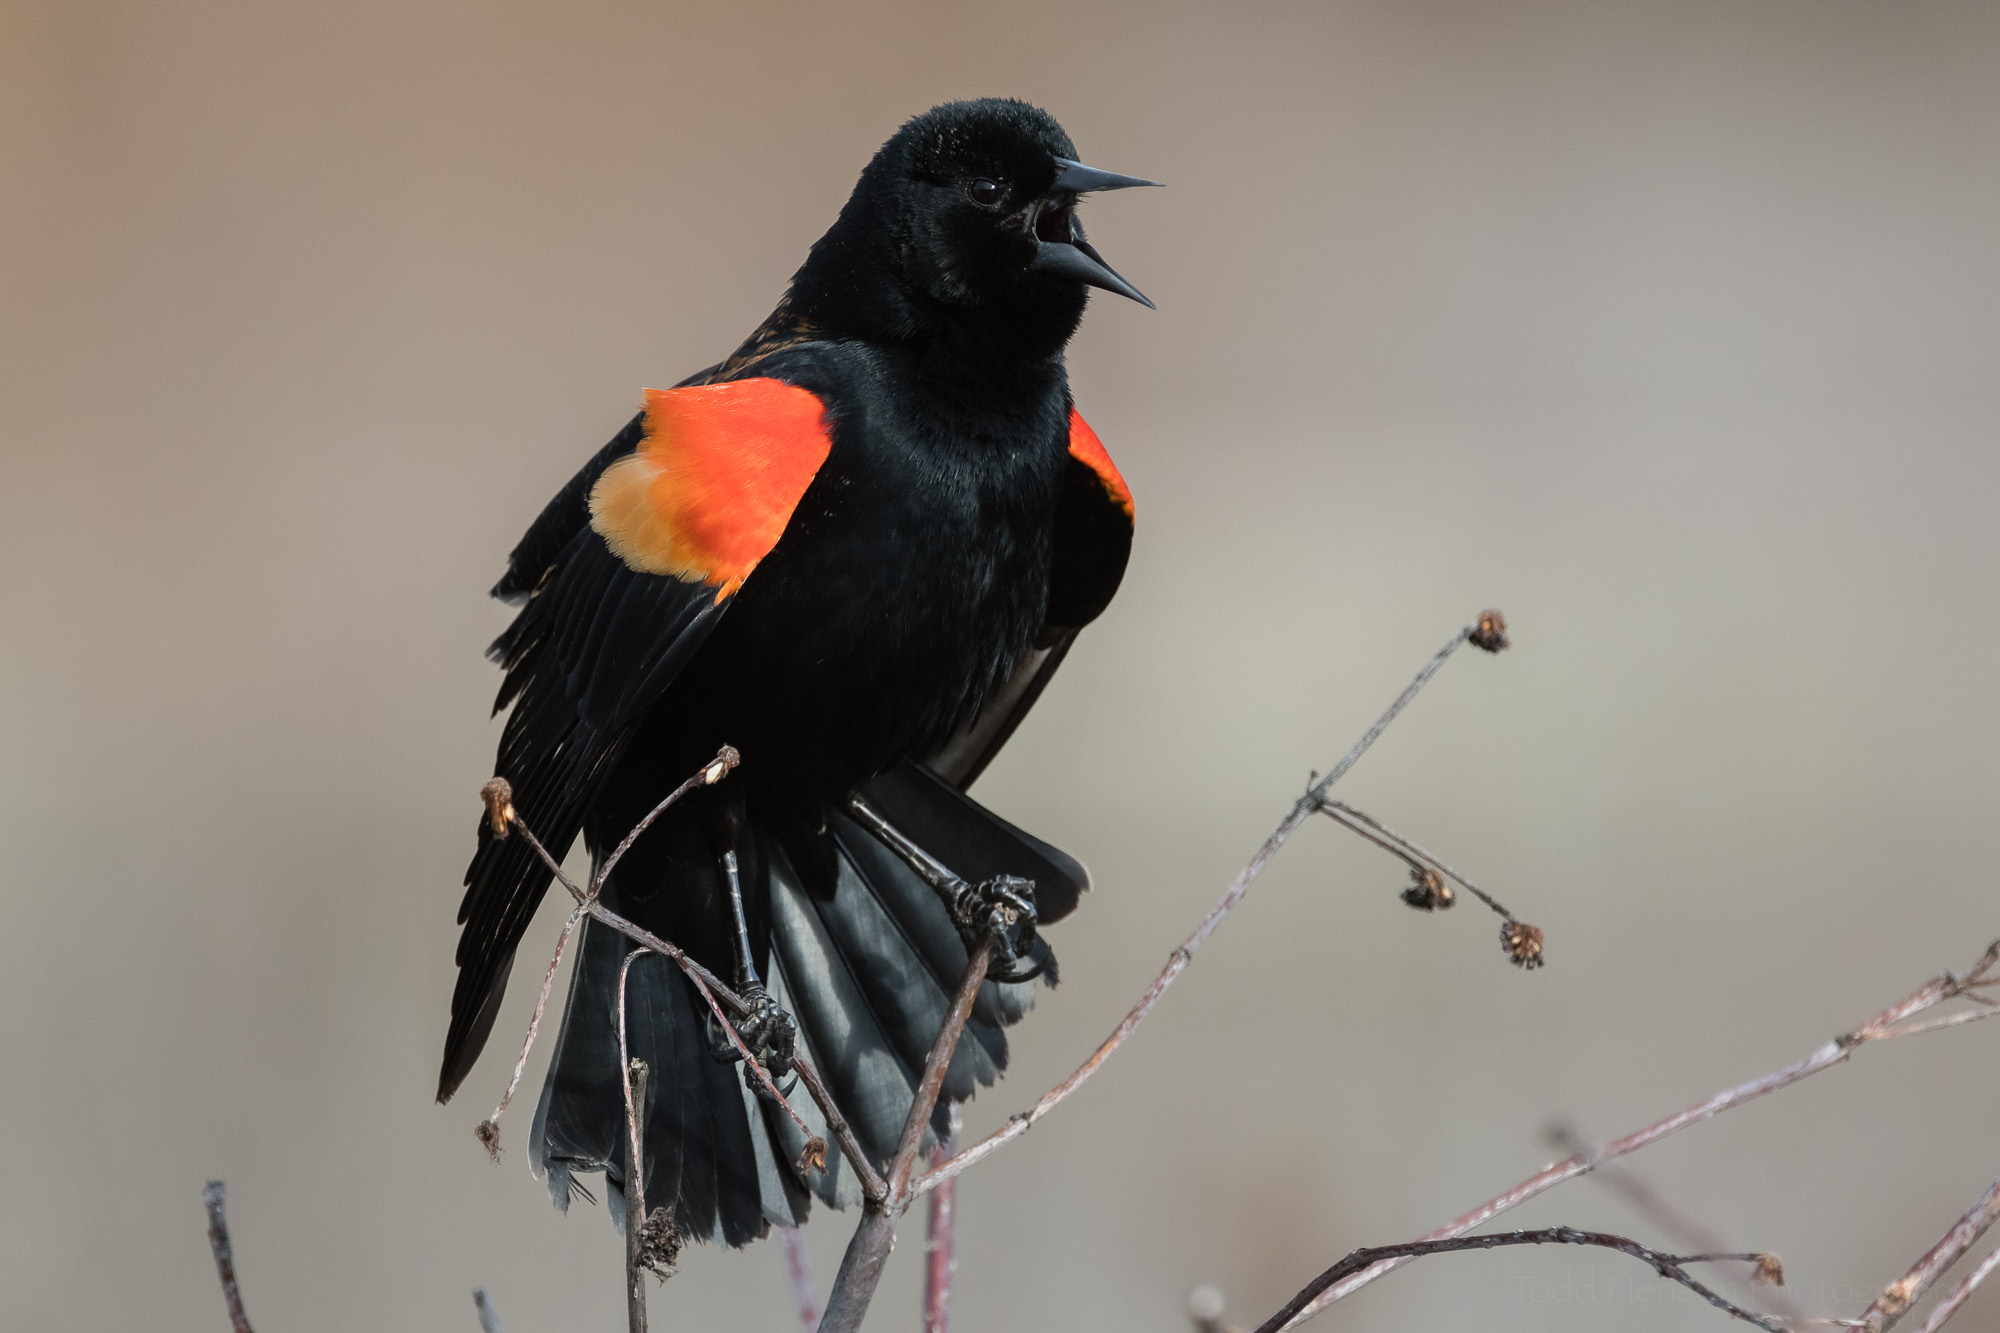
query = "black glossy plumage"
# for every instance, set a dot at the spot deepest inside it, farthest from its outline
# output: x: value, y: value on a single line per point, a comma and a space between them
x: 929, y: 581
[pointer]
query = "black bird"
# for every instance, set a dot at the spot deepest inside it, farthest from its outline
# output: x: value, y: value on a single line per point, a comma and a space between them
x: 856, y: 550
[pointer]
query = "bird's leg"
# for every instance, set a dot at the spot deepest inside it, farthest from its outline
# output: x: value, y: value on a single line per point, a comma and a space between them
x: 1003, y: 906
x: 769, y: 1032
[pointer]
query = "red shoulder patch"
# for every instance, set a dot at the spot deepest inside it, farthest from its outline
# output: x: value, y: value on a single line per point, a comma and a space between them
x: 709, y: 491
x: 1087, y: 449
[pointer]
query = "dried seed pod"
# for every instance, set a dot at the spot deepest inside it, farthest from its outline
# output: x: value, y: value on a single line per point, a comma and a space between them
x: 660, y: 1244
x: 1491, y: 631
x: 498, y: 797
x: 1427, y: 891
x: 1523, y: 943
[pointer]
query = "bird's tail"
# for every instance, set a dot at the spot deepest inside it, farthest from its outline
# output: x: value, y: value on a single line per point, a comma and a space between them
x: 849, y: 941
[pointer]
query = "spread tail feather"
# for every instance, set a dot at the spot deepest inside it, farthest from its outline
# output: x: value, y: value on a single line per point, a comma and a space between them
x: 853, y: 944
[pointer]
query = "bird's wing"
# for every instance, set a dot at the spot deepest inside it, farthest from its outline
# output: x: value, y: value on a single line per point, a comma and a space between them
x: 1093, y: 539
x: 624, y: 576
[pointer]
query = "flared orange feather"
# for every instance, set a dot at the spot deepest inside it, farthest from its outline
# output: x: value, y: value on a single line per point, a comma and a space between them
x: 709, y: 491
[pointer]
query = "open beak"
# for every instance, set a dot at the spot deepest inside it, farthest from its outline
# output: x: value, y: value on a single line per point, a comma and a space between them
x: 1058, y: 249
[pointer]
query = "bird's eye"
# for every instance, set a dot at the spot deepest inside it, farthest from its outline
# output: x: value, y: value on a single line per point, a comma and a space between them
x: 986, y: 193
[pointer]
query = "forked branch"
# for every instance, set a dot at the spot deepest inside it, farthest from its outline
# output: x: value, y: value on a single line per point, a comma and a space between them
x: 1489, y: 633
x: 1901, y: 1295
x: 1890, y: 1023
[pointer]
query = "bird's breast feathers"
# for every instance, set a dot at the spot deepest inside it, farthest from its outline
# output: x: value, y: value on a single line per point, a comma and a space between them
x: 712, y: 485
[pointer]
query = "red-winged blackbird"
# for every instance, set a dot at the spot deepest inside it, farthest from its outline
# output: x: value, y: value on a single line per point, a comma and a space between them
x: 856, y: 550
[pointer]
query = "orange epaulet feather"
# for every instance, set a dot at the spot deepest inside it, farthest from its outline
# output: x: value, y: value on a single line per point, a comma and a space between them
x: 709, y: 491
x: 1087, y: 449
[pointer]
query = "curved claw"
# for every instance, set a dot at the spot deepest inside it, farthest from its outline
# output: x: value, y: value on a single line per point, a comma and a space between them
x: 1003, y: 908
x: 770, y: 1033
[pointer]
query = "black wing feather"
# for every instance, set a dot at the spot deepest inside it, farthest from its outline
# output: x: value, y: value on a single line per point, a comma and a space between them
x: 595, y: 643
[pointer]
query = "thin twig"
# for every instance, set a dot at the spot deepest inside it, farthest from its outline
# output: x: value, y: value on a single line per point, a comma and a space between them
x: 873, y: 1187
x: 1666, y: 1265
x: 1302, y: 809
x: 712, y: 987
x: 799, y: 1266
x: 489, y: 1319
x: 1948, y: 1305
x: 225, y: 1255
x: 868, y: 1250
x: 1882, y: 1027
x: 940, y: 1229
x: 812, y: 1157
x: 489, y: 1128
x: 1681, y: 1227
x: 634, y: 1076
x: 711, y: 773
x: 1954, y: 1020
x: 1340, y: 812
x: 1897, y: 1298
x: 634, y: 1072
x: 931, y: 1083
x: 498, y: 795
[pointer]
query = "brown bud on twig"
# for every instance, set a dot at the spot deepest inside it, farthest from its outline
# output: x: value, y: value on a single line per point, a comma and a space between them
x: 1427, y: 891
x: 1769, y: 1270
x: 1523, y: 943
x: 498, y: 797
x: 659, y: 1244
x: 726, y: 758
x: 1490, y: 633
x: 488, y: 1132
x: 812, y: 1158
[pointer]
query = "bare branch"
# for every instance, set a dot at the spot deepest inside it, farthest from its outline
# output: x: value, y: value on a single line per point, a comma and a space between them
x: 1961, y: 1290
x: 1019, y: 1123
x: 1882, y: 1027
x: 1897, y: 1298
x: 873, y: 1187
x: 488, y: 1129
x: 225, y: 1255
x: 1681, y: 1227
x: 498, y: 797
x: 725, y: 759
x: 868, y: 1250
x: 489, y: 1319
x: 813, y: 1156
x: 799, y: 1267
x: 1666, y: 1265
x: 634, y: 1078
x: 940, y: 1228
x: 718, y: 995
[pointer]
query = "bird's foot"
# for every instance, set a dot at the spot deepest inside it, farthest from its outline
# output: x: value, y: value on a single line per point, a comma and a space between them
x: 768, y: 1031
x: 1004, y: 909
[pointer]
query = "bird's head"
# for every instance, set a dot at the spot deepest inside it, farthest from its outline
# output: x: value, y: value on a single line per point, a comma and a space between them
x: 966, y: 219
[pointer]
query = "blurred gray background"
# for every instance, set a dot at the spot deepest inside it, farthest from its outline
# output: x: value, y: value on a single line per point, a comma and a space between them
x: 1670, y: 328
